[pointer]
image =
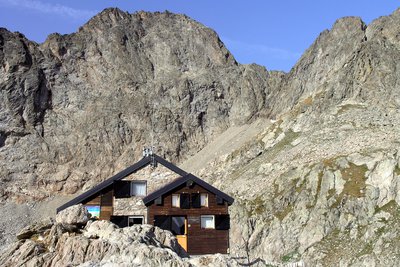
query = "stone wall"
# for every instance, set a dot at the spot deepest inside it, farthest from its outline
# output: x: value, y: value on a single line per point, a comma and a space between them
x: 155, y: 177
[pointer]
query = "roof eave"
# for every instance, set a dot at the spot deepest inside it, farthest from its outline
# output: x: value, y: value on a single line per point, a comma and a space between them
x: 169, y: 187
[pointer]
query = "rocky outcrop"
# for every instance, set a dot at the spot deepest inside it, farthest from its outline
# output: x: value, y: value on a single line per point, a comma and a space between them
x: 34, y: 229
x: 76, y: 214
x: 352, y: 61
x: 101, y: 243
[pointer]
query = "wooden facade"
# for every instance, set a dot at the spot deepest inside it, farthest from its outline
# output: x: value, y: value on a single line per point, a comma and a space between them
x: 199, y: 240
x: 200, y: 229
x: 104, y: 200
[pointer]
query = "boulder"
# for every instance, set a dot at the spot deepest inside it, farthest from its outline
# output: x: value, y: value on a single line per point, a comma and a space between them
x: 76, y: 215
x: 100, y: 243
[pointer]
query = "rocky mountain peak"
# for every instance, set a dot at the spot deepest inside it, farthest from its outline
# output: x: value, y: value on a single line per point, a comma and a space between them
x: 349, y: 49
x: 320, y: 142
x: 122, y: 79
x: 348, y: 26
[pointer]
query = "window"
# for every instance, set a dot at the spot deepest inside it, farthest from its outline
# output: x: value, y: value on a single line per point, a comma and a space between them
x: 175, y: 201
x: 158, y: 201
x: 195, y: 200
x: 219, y: 200
x: 204, y: 200
x: 184, y: 201
x: 126, y: 189
x: 222, y: 222
x: 122, y: 189
x: 138, y: 188
x: 207, y: 221
x: 163, y: 221
x: 135, y: 220
x: 94, y: 211
x: 121, y: 221
x: 178, y: 225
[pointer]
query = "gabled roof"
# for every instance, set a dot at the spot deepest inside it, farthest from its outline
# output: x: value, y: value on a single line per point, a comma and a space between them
x: 121, y: 175
x: 169, y: 187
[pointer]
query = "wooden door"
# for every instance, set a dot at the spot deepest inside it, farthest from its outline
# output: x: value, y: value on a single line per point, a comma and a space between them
x: 179, y: 228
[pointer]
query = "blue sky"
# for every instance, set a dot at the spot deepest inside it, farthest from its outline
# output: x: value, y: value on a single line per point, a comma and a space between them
x: 269, y: 33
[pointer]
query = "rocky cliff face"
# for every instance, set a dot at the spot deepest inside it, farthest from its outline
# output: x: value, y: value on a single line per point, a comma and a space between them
x: 95, y: 97
x: 320, y: 183
x: 314, y: 169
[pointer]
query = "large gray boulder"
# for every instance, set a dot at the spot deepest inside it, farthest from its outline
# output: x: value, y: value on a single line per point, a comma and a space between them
x: 76, y: 215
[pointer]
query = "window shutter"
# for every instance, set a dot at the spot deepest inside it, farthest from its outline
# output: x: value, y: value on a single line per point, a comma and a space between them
x: 122, y: 189
x: 185, y: 201
x: 220, y: 200
x: 175, y: 201
x: 162, y: 221
x: 204, y: 200
x: 121, y: 221
x: 106, y: 198
x: 222, y: 222
x: 196, y: 200
x: 158, y: 201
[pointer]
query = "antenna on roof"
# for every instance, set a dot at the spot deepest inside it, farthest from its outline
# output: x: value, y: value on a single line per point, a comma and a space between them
x: 148, y: 152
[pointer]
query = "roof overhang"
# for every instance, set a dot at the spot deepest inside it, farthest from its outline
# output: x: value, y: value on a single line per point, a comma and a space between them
x: 145, y: 161
x: 178, y: 182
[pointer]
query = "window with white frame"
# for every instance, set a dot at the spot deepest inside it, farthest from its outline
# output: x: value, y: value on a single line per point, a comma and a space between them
x: 207, y: 221
x: 176, y: 200
x: 204, y: 200
x: 138, y: 188
x: 136, y: 219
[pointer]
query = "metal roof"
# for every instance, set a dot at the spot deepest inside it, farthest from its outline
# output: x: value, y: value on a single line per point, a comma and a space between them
x: 131, y: 169
x: 169, y: 187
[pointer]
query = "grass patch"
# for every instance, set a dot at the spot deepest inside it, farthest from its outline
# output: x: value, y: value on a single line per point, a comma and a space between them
x: 331, y: 192
x: 397, y: 170
x: 320, y: 174
x: 290, y: 257
x: 282, y: 214
x: 366, y: 250
x: 257, y: 206
x: 267, y: 156
x: 290, y: 136
x: 390, y: 207
x: 331, y: 162
x: 354, y: 186
x: 301, y: 187
x: 355, y: 180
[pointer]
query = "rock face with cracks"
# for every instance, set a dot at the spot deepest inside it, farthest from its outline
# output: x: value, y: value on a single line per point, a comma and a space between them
x: 96, y: 97
x: 312, y: 156
x: 76, y: 214
x: 101, y: 243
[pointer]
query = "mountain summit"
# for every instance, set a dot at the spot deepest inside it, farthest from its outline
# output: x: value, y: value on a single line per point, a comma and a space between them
x: 95, y: 97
